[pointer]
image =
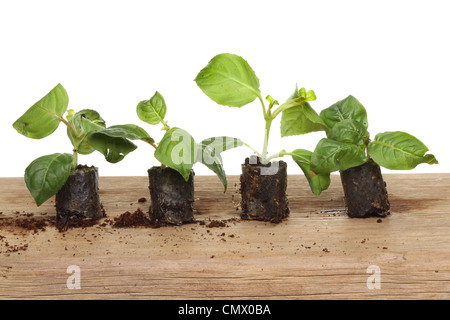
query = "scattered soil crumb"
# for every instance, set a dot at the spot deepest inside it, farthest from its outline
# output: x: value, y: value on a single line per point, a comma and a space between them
x: 379, y: 221
x: 133, y: 220
x: 325, y: 250
x: 32, y: 224
x: 216, y: 224
x: 141, y: 200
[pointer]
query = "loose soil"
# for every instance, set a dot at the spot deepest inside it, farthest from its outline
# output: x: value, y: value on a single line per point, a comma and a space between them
x: 133, y: 220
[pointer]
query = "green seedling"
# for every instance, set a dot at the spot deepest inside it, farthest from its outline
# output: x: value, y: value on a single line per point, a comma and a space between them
x: 46, y: 175
x: 230, y: 81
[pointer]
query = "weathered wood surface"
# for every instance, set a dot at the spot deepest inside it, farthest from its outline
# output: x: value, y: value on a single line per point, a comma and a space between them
x: 318, y: 253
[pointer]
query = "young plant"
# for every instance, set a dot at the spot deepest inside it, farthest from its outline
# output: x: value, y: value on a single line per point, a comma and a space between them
x: 171, y: 184
x: 47, y: 175
x: 229, y: 80
x: 349, y: 149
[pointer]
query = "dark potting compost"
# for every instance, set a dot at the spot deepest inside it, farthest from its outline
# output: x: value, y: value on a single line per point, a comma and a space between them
x: 365, y: 191
x: 263, y: 190
x: 172, y: 198
x: 79, y: 197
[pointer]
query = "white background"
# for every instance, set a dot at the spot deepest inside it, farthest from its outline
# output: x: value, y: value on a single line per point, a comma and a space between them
x: 393, y: 56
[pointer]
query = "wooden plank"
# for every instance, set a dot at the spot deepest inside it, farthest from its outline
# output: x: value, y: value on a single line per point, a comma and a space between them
x: 318, y: 253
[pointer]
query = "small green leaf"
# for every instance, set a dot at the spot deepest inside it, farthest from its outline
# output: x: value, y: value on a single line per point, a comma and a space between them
x: 399, y: 151
x: 222, y: 143
x: 178, y: 151
x: 307, y: 96
x: 209, y: 151
x: 229, y: 80
x: 152, y: 111
x: 310, y: 96
x: 331, y: 155
x: 349, y: 131
x: 46, y: 175
x: 43, y: 117
x: 317, y: 182
x: 349, y: 108
x: 213, y: 161
x: 300, y: 119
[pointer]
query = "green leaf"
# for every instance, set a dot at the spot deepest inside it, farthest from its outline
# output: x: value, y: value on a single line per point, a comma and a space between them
x: 399, y: 151
x: 83, y: 122
x: 349, y: 131
x: 178, y: 151
x: 300, y: 119
x: 212, y: 160
x: 43, y: 117
x: 46, y: 175
x: 229, y: 80
x: 209, y: 151
x: 317, y: 182
x: 307, y: 96
x: 222, y: 143
x: 349, y: 108
x: 128, y: 131
x: 152, y: 111
x: 331, y: 155
x: 110, y: 143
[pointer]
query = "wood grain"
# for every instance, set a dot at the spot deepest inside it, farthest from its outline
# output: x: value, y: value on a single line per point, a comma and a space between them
x: 318, y: 253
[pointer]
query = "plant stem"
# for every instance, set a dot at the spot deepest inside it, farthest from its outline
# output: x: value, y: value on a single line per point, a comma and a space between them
x: 75, y: 160
x: 264, y: 159
x: 263, y: 106
x: 68, y: 125
x: 277, y: 155
x: 268, y: 118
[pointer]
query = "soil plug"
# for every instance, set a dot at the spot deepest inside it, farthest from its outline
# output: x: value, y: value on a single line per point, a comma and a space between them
x: 263, y: 190
x: 79, y: 196
x: 172, y: 197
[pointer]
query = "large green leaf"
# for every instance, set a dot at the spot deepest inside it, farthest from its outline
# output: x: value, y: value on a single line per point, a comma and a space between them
x: 317, y: 182
x: 209, y: 151
x: 46, y: 175
x: 399, y: 151
x: 229, y: 80
x: 349, y: 108
x: 152, y: 111
x: 331, y: 155
x: 349, y: 131
x: 43, y: 117
x: 178, y: 151
x: 111, y: 143
x: 300, y: 119
x: 127, y: 131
